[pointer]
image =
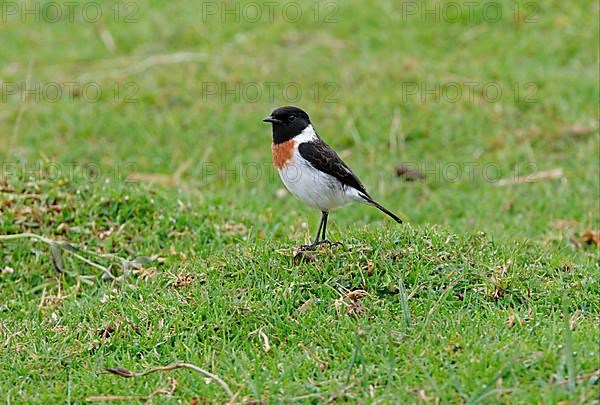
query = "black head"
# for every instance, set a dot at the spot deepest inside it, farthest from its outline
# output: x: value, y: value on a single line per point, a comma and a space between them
x: 287, y: 123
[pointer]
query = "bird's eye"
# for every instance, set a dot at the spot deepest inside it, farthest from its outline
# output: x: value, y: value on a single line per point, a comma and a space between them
x: 292, y: 118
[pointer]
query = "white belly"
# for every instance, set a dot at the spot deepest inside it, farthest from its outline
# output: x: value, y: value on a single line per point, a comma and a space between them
x: 316, y: 189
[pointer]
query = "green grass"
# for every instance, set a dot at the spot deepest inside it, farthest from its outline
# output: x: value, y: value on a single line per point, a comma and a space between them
x: 489, y: 295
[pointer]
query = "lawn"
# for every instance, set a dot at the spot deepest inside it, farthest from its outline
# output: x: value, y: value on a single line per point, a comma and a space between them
x: 132, y: 146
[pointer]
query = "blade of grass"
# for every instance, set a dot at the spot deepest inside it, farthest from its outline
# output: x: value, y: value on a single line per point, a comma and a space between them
x: 568, y: 345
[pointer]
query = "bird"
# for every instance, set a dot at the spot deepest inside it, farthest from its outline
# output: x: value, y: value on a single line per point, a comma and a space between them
x: 312, y: 171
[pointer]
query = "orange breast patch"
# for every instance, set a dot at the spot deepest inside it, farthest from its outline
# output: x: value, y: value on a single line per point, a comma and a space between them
x: 282, y: 153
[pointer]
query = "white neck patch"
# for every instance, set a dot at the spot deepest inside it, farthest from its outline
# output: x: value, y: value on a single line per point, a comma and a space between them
x: 307, y: 135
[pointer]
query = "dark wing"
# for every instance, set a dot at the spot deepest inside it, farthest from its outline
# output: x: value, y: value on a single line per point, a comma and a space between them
x: 323, y: 158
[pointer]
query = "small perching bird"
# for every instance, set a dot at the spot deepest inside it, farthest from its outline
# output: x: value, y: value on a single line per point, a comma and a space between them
x: 311, y: 170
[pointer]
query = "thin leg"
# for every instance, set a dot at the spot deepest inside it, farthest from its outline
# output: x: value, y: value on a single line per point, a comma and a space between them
x: 325, y: 214
x: 323, y: 220
x: 324, y: 238
x: 320, y: 238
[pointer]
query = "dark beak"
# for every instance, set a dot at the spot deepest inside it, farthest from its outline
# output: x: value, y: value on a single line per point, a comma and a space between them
x: 271, y: 120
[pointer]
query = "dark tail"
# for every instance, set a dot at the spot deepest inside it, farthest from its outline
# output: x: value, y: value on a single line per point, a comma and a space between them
x: 381, y: 208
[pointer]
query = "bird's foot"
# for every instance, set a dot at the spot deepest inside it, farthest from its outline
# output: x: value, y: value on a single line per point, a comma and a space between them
x: 309, y: 248
x: 329, y: 243
x: 314, y: 246
x: 307, y: 253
